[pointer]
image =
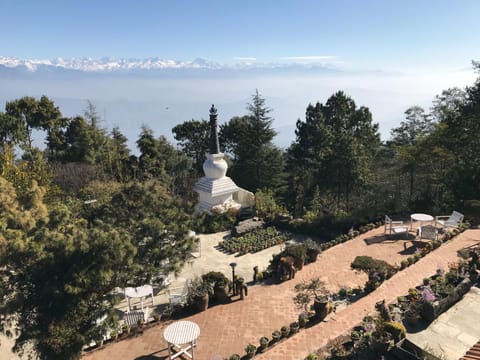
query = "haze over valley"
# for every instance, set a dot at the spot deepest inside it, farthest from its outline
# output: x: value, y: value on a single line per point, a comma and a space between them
x: 130, y: 94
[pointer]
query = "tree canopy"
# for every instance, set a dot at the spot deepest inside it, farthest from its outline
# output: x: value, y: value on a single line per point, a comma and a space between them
x: 257, y: 162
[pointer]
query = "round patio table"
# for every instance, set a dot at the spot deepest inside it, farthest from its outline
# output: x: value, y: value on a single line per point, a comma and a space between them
x: 420, y: 218
x: 180, y: 333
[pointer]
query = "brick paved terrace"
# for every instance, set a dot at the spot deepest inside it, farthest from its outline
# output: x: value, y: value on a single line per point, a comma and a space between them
x: 227, y: 329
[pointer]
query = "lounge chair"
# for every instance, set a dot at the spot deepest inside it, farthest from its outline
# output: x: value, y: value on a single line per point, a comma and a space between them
x: 448, y: 221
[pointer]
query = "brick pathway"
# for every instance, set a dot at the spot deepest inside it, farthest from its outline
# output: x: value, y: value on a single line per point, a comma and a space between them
x: 227, y: 329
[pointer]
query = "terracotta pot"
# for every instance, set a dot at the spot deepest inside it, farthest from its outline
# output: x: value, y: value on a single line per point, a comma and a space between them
x: 201, y: 303
x: 321, y: 307
x: 220, y: 294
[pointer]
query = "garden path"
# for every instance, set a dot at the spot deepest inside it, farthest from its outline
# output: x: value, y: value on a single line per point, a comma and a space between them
x: 227, y: 329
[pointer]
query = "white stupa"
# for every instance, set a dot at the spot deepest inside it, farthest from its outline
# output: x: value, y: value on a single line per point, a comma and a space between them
x: 218, y: 193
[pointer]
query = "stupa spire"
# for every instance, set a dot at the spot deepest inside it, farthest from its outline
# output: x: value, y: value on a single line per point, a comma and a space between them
x: 214, y: 145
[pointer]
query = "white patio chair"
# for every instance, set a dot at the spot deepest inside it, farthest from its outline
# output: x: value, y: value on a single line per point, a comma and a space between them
x: 428, y: 232
x: 394, y: 227
x: 178, y: 296
x: 132, y: 318
x: 448, y: 221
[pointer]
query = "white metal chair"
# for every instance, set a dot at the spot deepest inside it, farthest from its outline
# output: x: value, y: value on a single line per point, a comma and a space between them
x: 428, y: 232
x: 394, y: 227
x: 178, y: 296
x: 448, y: 221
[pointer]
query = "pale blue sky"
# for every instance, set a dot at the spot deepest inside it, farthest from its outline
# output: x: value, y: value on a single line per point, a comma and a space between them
x: 386, y: 35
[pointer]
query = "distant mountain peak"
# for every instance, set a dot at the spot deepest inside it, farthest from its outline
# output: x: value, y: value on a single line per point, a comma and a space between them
x: 110, y: 64
x: 107, y: 64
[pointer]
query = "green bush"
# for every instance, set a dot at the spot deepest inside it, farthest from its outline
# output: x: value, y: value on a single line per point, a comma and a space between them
x: 368, y: 264
x: 298, y: 252
x: 209, y: 224
x: 217, y: 279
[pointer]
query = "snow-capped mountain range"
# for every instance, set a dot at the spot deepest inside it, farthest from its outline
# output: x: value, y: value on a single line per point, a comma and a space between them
x: 108, y: 65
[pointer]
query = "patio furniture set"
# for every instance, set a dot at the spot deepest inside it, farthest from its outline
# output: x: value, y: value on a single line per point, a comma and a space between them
x: 428, y: 231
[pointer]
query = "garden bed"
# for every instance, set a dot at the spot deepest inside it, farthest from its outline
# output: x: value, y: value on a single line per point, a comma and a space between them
x: 254, y: 241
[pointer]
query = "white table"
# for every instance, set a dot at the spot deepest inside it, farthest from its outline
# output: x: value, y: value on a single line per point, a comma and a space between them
x: 420, y: 218
x: 181, y: 333
x: 138, y: 292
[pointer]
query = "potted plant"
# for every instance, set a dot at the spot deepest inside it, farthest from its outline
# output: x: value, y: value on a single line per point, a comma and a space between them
x: 221, y: 286
x: 285, y: 331
x: 198, y: 293
x: 263, y: 343
x: 251, y: 351
x: 312, y: 250
x: 313, y: 290
x: 303, y: 319
x: 294, y: 327
x: 276, y: 336
x: 298, y: 252
x: 341, y: 351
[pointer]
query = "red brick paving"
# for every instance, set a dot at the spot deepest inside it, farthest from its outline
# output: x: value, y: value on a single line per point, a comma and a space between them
x: 227, y: 329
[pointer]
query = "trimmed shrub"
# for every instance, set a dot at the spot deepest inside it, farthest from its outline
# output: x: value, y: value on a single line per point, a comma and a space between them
x: 368, y: 264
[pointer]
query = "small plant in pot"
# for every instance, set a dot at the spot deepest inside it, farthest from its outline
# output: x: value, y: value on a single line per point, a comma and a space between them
x: 263, y: 343
x: 303, y: 319
x: 294, y: 327
x: 251, y: 351
x: 285, y: 331
x: 198, y: 293
x: 276, y: 336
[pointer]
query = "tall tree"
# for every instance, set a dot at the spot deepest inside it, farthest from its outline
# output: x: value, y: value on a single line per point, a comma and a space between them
x: 333, y: 150
x: 30, y: 114
x: 157, y: 222
x: 257, y: 162
x: 56, y: 274
x: 193, y: 138
x: 161, y: 161
x: 463, y: 143
x: 118, y: 160
x: 406, y: 139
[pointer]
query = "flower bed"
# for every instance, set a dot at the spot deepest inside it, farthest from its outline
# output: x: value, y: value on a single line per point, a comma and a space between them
x: 254, y: 241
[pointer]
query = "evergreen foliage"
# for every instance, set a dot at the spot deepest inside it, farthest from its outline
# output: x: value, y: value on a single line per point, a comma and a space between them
x: 257, y: 163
